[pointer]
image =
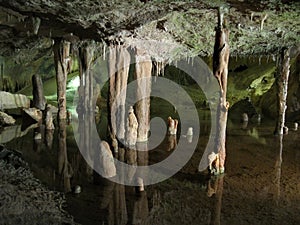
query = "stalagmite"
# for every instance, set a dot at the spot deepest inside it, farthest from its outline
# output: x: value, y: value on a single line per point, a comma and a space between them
x: 108, y: 168
x: 131, y: 128
x: 282, y: 78
x: 39, y: 100
x: 220, y: 71
x: 49, y: 119
x: 62, y: 59
x: 143, y: 69
x: 172, y: 126
x: 119, y: 62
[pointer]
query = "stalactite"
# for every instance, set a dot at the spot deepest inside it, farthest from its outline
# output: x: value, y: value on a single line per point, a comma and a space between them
x: 86, y: 54
x: 119, y: 62
x: 143, y: 69
x: 282, y: 78
x: 61, y: 50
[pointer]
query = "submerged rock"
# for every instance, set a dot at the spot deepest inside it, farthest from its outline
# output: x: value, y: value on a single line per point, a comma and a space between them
x: 6, y: 119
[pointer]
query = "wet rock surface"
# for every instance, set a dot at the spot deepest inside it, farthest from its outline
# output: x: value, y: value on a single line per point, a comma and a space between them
x: 24, y: 200
x: 6, y: 119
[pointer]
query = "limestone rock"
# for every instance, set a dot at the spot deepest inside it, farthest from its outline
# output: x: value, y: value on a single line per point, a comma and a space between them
x: 6, y: 119
x: 13, y: 101
x: 131, y: 128
x: 49, y: 119
x: 34, y: 113
x: 9, y: 133
x: 39, y: 100
x: 108, y: 168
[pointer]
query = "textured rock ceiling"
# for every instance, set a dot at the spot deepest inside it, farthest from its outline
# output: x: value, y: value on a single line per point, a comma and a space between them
x: 30, y: 24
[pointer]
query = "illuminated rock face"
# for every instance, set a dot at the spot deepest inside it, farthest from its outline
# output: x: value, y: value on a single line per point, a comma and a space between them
x: 13, y: 101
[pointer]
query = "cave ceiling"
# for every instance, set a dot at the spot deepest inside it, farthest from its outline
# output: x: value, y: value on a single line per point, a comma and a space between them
x: 256, y: 27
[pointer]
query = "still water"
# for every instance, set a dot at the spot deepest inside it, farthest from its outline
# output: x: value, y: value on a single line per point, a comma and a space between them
x: 260, y: 185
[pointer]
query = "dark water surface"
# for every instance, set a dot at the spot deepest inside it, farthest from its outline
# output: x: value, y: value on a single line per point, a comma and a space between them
x: 260, y: 185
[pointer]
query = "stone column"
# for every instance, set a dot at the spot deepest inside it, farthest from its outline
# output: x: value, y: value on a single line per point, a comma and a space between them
x: 86, y: 54
x: 282, y: 78
x: 62, y: 60
x: 143, y: 68
x: 39, y: 100
x: 220, y: 71
x: 118, y: 65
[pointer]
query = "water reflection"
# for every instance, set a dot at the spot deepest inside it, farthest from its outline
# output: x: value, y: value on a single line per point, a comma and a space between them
x: 278, y: 164
x: 64, y: 167
x: 257, y: 176
x: 215, y: 191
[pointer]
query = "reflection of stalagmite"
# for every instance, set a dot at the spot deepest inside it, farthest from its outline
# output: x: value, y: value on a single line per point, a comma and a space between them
x: 131, y: 128
x: 142, y: 160
x: 143, y: 70
x: 119, y: 212
x: 172, y: 125
x: 245, y: 117
x: 131, y: 159
x: 108, y: 168
x: 64, y: 167
x: 49, y: 138
x: 140, y: 209
x: 215, y: 187
x: 49, y: 119
x: 278, y: 170
x: 172, y: 142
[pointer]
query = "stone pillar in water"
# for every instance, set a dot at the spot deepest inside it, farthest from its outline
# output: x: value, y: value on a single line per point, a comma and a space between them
x: 220, y: 71
x: 143, y: 68
x: 118, y: 65
x: 282, y: 78
x: 86, y: 54
x: 39, y: 100
x: 62, y: 61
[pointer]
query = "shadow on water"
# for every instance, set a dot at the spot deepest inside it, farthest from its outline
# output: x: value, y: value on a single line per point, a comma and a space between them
x: 260, y: 186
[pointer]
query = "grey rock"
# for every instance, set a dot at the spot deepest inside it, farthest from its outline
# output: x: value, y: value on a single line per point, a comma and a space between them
x: 13, y: 101
x: 6, y: 119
